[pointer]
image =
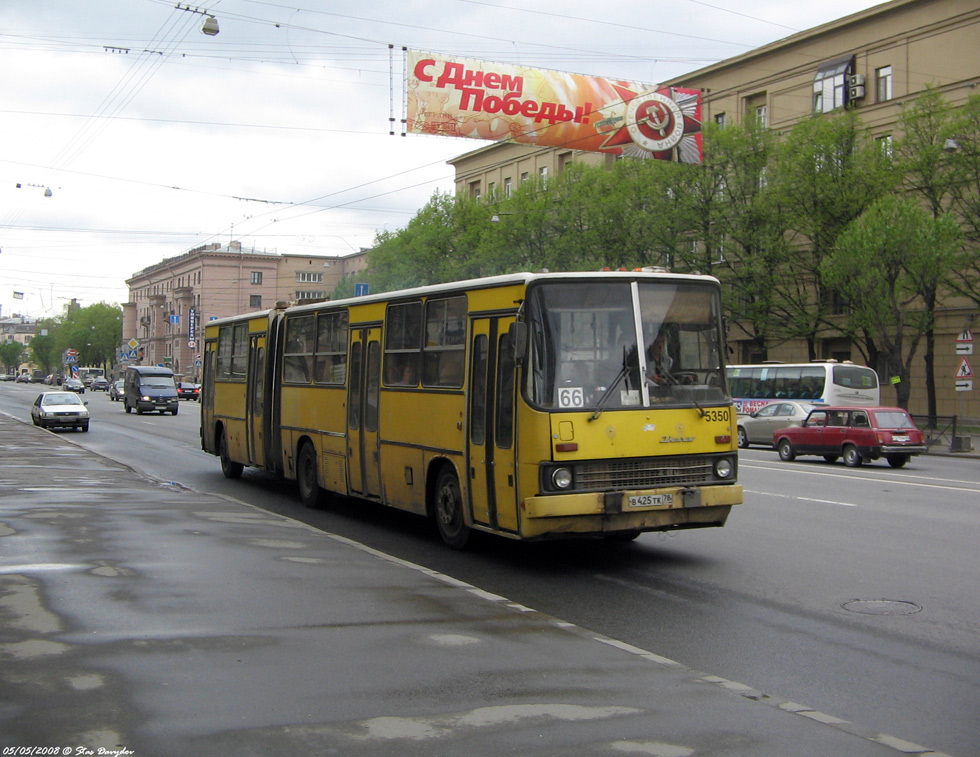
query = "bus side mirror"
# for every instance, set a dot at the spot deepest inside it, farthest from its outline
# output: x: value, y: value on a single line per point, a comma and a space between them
x: 518, y: 340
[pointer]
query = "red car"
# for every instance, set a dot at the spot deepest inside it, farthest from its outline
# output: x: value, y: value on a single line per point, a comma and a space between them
x: 858, y: 434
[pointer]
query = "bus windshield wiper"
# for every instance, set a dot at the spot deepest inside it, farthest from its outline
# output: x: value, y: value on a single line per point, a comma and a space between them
x: 600, y: 405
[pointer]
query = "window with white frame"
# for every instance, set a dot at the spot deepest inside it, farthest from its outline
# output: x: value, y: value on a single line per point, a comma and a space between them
x: 309, y: 277
x: 884, y: 84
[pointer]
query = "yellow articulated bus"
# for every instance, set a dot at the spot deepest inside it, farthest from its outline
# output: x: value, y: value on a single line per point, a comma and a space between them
x: 528, y: 405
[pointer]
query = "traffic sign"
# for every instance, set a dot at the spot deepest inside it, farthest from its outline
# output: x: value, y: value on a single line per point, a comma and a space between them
x: 964, y: 371
x: 966, y: 335
x: 133, y: 344
x: 964, y: 385
x: 965, y: 348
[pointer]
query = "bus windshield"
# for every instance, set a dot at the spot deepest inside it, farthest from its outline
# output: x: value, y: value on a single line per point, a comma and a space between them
x: 624, y: 344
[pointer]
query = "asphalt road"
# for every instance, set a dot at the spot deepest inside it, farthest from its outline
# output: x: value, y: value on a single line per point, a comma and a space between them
x: 853, y: 590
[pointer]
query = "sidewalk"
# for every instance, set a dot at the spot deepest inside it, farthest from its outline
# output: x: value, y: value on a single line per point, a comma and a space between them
x: 141, y: 618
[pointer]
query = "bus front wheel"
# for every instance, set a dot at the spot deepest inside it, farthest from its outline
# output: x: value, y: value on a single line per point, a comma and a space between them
x: 449, y: 510
x: 310, y: 492
x: 229, y: 468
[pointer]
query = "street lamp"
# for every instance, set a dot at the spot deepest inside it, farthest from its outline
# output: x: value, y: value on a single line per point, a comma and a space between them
x: 210, y: 26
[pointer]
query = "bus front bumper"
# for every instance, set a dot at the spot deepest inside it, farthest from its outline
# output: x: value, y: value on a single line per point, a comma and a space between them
x: 636, y: 510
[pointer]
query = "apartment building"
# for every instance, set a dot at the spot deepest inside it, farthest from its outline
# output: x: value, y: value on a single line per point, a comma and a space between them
x: 170, y: 301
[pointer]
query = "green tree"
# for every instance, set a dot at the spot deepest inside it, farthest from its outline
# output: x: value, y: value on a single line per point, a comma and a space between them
x: 929, y: 173
x: 10, y: 355
x: 44, y: 345
x: 882, y: 263
x: 964, y: 159
x: 828, y: 171
x: 437, y: 245
x: 740, y: 227
x: 94, y: 331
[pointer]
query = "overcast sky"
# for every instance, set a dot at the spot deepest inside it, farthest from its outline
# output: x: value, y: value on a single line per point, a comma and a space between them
x: 155, y: 138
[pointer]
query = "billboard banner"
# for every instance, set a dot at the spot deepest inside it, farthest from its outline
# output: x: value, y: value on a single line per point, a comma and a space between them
x: 463, y: 97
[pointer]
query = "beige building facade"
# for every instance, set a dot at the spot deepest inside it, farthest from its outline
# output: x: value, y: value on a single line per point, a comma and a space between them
x: 874, y: 61
x: 171, y: 301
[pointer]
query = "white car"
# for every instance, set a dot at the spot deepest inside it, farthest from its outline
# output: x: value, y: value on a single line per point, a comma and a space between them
x: 64, y: 409
x: 757, y: 428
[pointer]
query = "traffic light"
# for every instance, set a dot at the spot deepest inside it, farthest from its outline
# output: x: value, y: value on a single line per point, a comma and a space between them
x: 141, y: 353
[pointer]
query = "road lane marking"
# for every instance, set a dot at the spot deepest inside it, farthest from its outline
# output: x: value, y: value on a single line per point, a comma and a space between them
x: 897, y: 481
x: 802, y: 499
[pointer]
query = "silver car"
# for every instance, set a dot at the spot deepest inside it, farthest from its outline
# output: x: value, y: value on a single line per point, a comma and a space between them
x: 757, y: 428
x: 65, y: 409
x: 117, y: 390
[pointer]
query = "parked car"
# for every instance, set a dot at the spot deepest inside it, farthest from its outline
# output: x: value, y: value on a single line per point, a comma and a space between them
x: 100, y: 384
x: 858, y: 434
x: 23, y: 378
x: 74, y: 385
x: 188, y: 391
x: 117, y: 390
x: 64, y: 409
x: 757, y: 428
x: 7, y: 377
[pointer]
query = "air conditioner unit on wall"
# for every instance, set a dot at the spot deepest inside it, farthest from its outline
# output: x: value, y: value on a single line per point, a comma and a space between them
x: 855, y: 93
x: 855, y: 80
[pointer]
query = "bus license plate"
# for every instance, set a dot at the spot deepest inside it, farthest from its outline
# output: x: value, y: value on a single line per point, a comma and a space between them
x: 651, y: 500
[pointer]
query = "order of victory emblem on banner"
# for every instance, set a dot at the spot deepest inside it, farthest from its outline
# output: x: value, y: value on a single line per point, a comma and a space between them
x: 461, y: 97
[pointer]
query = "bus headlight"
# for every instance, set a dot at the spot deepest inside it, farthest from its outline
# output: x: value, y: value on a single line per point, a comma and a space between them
x: 561, y: 478
x: 723, y: 467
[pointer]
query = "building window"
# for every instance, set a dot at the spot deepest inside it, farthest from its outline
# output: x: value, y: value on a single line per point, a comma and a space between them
x: 256, y: 277
x: 475, y: 190
x: 307, y: 294
x: 543, y: 175
x: 762, y: 115
x: 885, y: 145
x: 491, y: 188
x: 524, y: 176
x: 255, y: 301
x: 309, y: 277
x: 830, y: 85
x: 564, y: 161
x: 508, y: 188
x: 720, y: 119
x: 884, y: 83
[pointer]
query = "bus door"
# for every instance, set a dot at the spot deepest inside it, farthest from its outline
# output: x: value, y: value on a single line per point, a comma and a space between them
x: 491, y: 425
x: 362, y: 412
x: 254, y: 415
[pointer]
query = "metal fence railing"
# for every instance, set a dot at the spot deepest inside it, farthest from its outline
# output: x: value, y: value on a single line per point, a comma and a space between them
x: 941, y: 431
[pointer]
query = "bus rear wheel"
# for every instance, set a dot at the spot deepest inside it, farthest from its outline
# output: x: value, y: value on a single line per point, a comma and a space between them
x: 310, y: 493
x: 448, y: 509
x: 229, y: 468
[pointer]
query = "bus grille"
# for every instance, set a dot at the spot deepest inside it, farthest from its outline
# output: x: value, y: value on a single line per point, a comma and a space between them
x: 644, y: 473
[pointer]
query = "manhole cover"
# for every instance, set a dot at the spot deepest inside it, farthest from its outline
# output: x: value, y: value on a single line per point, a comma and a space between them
x: 881, y: 607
